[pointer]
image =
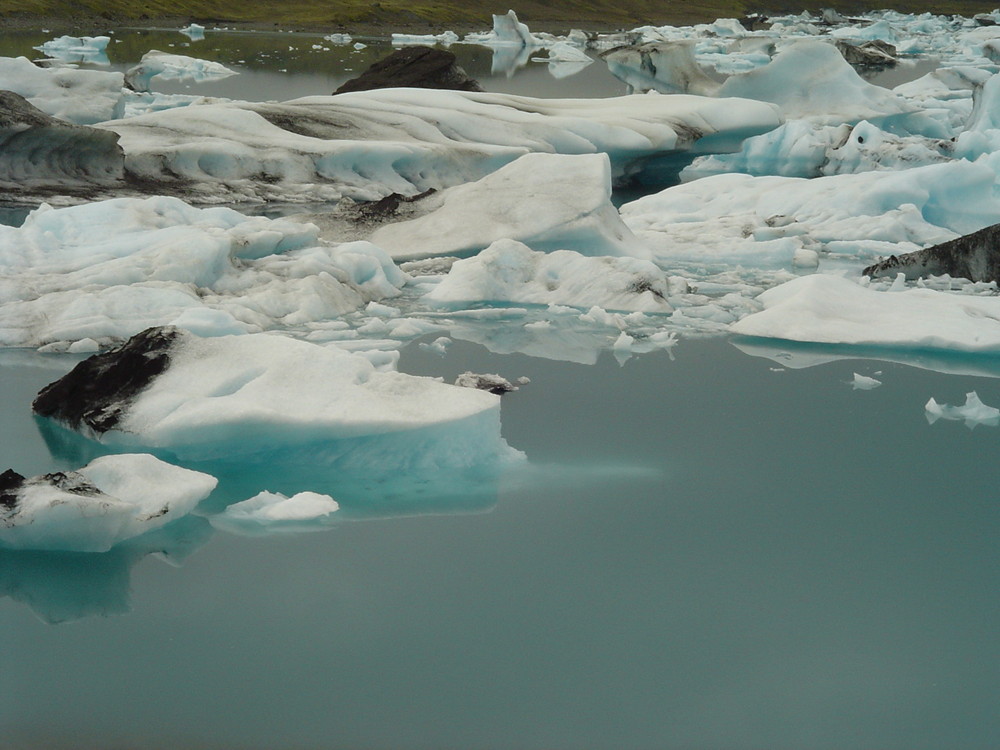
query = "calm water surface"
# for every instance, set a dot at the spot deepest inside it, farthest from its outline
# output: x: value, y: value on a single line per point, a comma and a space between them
x: 711, y: 551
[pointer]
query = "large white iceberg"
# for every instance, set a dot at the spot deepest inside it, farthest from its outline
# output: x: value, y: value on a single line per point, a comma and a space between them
x: 369, y: 144
x: 107, y: 270
x: 547, y: 201
x: 111, y: 499
x: 237, y: 397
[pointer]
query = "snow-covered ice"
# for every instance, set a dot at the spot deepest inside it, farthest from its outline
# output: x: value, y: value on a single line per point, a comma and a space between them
x: 111, y: 499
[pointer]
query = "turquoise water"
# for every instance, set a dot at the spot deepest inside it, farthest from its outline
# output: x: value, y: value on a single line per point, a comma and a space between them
x: 707, y: 551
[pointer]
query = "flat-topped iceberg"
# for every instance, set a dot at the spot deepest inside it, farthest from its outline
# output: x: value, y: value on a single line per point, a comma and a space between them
x: 88, y: 49
x: 234, y: 398
x: 834, y: 310
x: 369, y: 144
x: 107, y: 270
x: 546, y: 201
x: 111, y: 499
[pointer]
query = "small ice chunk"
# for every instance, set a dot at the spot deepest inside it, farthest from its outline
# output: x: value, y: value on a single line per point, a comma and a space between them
x: 485, y: 382
x: 974, y: 412
x: 270, y: 512
x: 865, y: 383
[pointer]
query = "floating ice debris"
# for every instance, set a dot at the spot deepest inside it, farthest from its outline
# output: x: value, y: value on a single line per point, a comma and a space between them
x: 170, y: 67
x: 438, y: 346
x: 339, y: 38
x: 193, y: 31
x: 546, y: 201
x: 272, y: 512
x: 507, y: 32
x: 864, y: 383
x: 258, y: 395
x: 445, y: 38
x: 111, y: 499
x: 83, y: 97
x: 107, y: 270
x: 974, y: 412
x: 485, y: 382
x: 511, y: 272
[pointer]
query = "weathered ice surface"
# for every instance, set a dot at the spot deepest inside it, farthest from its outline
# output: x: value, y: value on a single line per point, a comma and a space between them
x: 667, y: 67
x: 39, y: 150
x: 973, y: 256
x: 415, y: 67
x: 873, y: 55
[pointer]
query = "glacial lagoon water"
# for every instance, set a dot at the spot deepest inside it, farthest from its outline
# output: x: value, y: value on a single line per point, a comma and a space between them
x: 712, y: 547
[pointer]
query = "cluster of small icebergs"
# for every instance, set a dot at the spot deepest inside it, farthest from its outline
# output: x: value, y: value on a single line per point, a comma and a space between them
x: 775, y: 174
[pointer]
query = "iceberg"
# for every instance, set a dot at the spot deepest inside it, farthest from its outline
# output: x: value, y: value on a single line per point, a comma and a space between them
x: 830, y: 309
x: 83, y: 97
x: 105, y: 271
x: 233, y: 398
x: 546, y: 201
x: 511, y: 272
x: 973, y: 412
x: 111, y: 499
x: 369, y: 144
x: 84, y: 49
x: 507, y: 32
x: 170, y: 67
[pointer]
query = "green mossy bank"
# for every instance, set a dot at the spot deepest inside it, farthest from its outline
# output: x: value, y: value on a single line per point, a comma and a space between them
x: 552, y: 15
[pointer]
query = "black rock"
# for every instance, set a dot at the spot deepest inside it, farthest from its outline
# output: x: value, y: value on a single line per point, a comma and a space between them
x: 973, y: 256
x: 38, y: 151
x: 96, y: 394
x: 413, y: 67
x: 10, y: 484
x: 873, y: 55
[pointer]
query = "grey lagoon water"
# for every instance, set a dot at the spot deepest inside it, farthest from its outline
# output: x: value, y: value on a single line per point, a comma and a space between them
x: 711, y: 547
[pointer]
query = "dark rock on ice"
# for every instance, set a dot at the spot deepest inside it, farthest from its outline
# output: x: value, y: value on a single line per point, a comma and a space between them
x: 873, y: 55
x: 38, y: 151
x: 495, y: 384
x: 388, y: 208
x: 10, y: 484
x: 973, y: 256
x: 95, y: 395
x: 755, y: 22
x: 414, y: 67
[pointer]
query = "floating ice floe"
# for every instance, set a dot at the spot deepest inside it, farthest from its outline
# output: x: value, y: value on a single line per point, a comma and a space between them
x: 512, y: 273
x: 170, y: 67
x: 111, y: 499
x: 193, y: 31
x: 235, y: 397
x: 507, y: 32
x: 272, y: 512
x: 369, y: 144
x: 973, y: 412
x: 864, y: 383
x: 835, y: 310
x: 764, y: 221
x: 107, y: 270
x: 85, y: 49
x: 546, y: 201
x: 445, y: 38
x: 83, y: 97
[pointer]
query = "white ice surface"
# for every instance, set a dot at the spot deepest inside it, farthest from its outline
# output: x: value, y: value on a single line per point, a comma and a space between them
x: 233, y: 397
x: 510, y: 272
x: 835, y: 310
x: 86, y: 49
x: 546, y: 201
x: 83, y: 97
x: 138, y: 493
x: 973, y: 412
x: 107, y: 270
x: 272, y: 512
x: 369, y: 144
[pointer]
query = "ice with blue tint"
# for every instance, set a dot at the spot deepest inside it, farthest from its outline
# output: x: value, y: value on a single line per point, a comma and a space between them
x: 167, y: 66
x: 83, y: 97
x: 105, y: 271
x: 82, y: 49
x: 111, y: 499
